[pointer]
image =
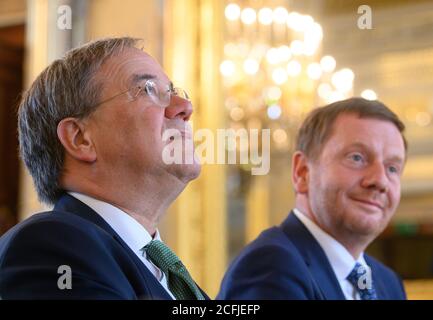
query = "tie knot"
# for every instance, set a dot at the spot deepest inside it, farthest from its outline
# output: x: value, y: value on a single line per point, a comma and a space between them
x: 357, y: 271
x: 360, y: 277
x: 161, y: 255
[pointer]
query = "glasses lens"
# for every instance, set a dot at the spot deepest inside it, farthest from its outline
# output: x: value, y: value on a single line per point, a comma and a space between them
x: 154, y: 91
x: 180, y: 93
x: 161, y: 94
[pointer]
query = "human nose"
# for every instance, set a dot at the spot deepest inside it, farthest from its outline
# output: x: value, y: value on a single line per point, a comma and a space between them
x: 178, y: 108
x: 376, y: 178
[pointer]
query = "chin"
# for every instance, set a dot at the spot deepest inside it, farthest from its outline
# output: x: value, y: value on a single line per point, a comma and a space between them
x: 371, y: 226
x: 194, y: 172
x: 187, y: 172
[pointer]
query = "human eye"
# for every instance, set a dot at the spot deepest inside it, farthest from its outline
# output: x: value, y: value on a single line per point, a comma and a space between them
x: 151, y: 88
x: 394, y: 169
x: 356, y: 157
x: 354, y: 160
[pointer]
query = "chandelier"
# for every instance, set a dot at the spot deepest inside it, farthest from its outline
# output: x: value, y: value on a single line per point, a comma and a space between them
x: 273, y: 70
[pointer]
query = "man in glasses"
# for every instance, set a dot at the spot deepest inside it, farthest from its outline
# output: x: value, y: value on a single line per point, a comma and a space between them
x: 91, y: 132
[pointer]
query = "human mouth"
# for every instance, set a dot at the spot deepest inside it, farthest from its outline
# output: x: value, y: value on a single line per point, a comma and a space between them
x: 370, y: 203
x: 177, y: 131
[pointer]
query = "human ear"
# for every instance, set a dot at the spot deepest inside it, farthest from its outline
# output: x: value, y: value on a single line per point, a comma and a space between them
x: 300, y: 172
x: 76, y: 139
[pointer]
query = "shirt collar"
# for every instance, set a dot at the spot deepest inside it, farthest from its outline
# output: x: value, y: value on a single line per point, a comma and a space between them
x: 129, y: 229
x: 342, y: 262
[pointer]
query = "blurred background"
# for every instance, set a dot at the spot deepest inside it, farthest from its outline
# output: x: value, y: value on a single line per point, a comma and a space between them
x: 252, y: 64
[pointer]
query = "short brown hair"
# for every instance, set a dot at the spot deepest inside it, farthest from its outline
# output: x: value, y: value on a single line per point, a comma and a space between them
x: 66, y: 88
x: 317, y: 127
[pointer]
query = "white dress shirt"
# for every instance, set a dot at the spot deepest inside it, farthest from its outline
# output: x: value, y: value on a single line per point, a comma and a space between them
x: 132, y: 232
x: 342, y: 262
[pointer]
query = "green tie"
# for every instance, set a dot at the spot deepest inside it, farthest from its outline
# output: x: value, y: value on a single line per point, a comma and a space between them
x: 179, y: 281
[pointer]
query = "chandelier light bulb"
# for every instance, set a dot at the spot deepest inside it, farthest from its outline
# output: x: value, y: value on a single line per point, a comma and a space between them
x: 369, y: 94
x: 274, y: 112
x: 328, y: 63
x: 280, y: 15
x: 232, y: 12
x: 265, y: 16
x: 279, y: 76
x: 251, y: 66
x: 248, y: 16
x: 227, y: 68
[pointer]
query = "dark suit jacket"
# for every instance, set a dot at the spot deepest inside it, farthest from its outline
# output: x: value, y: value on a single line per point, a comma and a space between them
x: 286, y: 262
x: 102, y: 264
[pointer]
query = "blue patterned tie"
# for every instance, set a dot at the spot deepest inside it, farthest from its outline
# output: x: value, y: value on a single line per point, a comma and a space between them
x: 363, y: 282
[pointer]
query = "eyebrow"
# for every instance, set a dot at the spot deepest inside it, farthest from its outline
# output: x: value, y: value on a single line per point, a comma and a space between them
x: 137, y: 78
x: 398, y: 159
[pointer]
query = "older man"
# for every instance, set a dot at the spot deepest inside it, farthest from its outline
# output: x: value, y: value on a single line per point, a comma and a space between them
x: 346, y: 174
x: 91, y: 135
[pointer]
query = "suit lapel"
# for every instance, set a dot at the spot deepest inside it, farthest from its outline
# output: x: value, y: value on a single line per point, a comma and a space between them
x: 71, y: 205
x: 320, y: 269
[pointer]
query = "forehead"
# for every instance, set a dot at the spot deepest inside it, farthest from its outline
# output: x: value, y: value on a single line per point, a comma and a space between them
x: 132, y: 64
x: 377, y: 135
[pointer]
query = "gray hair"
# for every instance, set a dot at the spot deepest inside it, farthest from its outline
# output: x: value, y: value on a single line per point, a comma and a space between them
x: 66, y: 88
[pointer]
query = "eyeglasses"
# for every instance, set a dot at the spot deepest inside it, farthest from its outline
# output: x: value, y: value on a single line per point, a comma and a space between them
x: 158, y: 92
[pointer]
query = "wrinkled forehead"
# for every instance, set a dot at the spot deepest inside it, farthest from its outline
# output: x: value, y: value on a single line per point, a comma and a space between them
x: 130, y: 67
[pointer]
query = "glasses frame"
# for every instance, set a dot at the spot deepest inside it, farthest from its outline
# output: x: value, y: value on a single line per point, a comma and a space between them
x: 139, y: 89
